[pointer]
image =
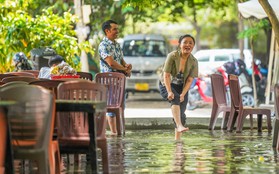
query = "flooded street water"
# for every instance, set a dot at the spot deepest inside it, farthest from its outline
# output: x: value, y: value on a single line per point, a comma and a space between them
x: 200, y: 151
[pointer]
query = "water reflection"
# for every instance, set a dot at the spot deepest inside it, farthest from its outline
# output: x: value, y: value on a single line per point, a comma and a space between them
x: 199, y: 151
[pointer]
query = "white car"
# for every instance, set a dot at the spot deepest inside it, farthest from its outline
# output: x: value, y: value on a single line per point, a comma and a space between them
x: 147, y: 54
x: 210, y: 59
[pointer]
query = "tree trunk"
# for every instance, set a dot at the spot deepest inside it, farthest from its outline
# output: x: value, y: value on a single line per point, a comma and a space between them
x: 81, y: 36
x: 272, y: 17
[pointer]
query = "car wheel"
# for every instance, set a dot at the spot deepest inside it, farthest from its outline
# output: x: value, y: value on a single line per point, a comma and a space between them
x: 248, y: 99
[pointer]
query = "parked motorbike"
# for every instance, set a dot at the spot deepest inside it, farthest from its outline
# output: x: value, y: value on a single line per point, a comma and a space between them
x: 200, y: 93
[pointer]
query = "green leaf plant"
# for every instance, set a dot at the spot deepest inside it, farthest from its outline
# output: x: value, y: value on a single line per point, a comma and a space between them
x: 20, y: 31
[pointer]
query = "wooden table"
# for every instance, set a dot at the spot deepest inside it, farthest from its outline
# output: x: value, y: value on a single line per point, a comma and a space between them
x: 90, y: 107
x: 4, y: 106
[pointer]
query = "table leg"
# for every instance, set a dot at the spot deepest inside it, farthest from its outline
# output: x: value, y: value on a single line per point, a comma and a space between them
x: 260, y: 120
x: 7, y: 147
x: 92, y: 144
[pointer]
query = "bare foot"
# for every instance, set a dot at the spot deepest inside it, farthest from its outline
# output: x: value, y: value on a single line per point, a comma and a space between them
x: 182, y: 129
x: 113, y: 133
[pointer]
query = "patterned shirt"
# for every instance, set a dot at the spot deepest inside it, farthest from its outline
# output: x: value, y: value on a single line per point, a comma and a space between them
x: 109, y: 48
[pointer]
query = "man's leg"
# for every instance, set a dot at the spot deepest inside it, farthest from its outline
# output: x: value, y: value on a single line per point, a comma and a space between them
x: 112, y: 122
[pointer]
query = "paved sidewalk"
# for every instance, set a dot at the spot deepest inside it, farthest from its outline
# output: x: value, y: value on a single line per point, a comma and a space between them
x: 139, y: 118
x: 164, y: 113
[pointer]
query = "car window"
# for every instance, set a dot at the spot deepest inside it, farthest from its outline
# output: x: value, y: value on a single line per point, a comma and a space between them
x: 222, y: 58
x: 144, y: 48
x: 203, y: 59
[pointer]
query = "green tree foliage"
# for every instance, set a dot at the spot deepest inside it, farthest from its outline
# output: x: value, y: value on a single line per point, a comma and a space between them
x: 21, y: 31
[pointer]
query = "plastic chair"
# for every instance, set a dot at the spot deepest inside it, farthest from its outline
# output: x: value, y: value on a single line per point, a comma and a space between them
x: 19, y: 78
x: 5, y: 75
x: 239, y: 112
x: 34, y: 72
x: 116, y: 90
x: 48, y: 84
x: 73, y: 134
x: 31, y: 126
x: 219, y: 101
x: 275, y: 142
x: 3, y: 134
x: 22, y: 73
x: 85, y: 75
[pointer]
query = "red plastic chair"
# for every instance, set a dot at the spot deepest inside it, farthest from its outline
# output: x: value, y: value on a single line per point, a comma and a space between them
x: 116, y: 90
x: 48, y: 84
x: 72, y: 127
x: 219, y: 101
x: 275, y: 141
x: 31, y: 124
x: 19, y: 78
x: 2, y: 76
x: 85, y: 75
x: 239, y: 112
x: 3, y: 134
x: 34, y: 72
x: 22, y: 73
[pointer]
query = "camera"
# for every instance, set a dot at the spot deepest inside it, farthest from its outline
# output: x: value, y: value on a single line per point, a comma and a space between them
x: 178, y: 79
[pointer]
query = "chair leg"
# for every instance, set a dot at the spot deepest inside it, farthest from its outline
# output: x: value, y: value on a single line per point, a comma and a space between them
x: 240, y: 121
x: 269, y: 127
x: 123, y: 121
x: 213, y: 117
x: 43, y: 164
x: 260, y: 119
x: 275, y: 133
x: 251, y: 122
x: 232, y: 119
x: 103, y: 146
x: 225, y: 120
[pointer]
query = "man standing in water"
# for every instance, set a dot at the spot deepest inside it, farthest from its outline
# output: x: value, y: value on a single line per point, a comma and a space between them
x: 111, y: 59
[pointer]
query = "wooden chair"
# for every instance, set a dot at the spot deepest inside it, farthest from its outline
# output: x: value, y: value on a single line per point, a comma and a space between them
x: 22, y: 73
x: 72, y: 127
x: 275, y: 142
x: 239, y: 112
x: 19, y: 78
x: 219, y: 101
x: 116, y: 93
x: 31, y: 126
x: 34, y: 72
x: 85, y: 75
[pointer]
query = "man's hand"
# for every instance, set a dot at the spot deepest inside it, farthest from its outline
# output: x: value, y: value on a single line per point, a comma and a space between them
x: 128, y: 72
x: 128, y: 66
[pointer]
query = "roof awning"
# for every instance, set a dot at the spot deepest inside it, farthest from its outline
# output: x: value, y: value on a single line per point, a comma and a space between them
x: 254, y: 8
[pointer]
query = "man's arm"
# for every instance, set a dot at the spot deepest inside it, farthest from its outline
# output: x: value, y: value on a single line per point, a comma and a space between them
x: 113, y: 64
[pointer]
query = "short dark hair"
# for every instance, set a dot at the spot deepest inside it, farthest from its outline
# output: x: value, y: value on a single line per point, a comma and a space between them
x: 186, y: 35
x: 106, y: 25
x: 55, y: 60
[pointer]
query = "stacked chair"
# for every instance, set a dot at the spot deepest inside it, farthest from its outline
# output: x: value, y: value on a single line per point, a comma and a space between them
x: 30, y: 123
